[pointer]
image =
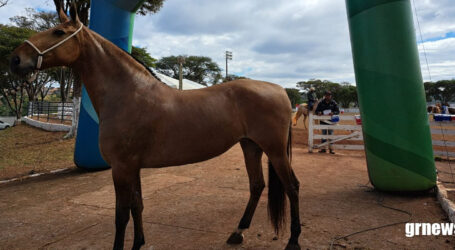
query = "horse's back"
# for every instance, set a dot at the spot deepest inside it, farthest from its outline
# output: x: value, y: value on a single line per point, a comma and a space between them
x: 263, y: 95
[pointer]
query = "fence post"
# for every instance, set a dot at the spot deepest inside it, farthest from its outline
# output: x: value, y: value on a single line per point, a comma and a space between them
x: 48, y: 108
x: 63, y: 109
x: 39, y: 107
x: 310, y: 132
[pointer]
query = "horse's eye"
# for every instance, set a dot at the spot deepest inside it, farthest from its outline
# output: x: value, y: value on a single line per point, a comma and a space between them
x: 59, y: 32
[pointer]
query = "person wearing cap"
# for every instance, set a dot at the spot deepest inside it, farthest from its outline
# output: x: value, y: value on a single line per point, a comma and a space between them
x: 312, y: 98
x: 327, y: 107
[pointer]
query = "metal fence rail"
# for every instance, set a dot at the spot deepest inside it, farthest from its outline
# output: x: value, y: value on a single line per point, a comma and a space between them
x: 355, y: 133
x: 47, y: 111
x: 445, y: 129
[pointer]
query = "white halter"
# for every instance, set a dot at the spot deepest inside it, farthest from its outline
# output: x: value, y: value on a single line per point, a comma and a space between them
x: 41, y: 54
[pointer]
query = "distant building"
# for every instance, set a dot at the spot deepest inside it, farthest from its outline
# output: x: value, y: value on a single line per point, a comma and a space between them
x: 174, y: 83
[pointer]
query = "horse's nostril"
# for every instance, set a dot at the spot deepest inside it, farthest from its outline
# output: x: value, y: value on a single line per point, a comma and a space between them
x: 16, y: 60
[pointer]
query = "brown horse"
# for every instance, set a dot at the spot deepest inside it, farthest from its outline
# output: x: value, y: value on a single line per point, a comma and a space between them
x: 122, y: 90
x: 303, y: 110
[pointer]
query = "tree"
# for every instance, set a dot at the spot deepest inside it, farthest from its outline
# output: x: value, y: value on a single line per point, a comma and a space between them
x: 45, y: 90
x: 443, y: 91
x: 83, y: 7
x: 344, y: 93
x: 3, y: 3
x: 347, y: 95
x: 11, y: 86
x: 200, y: 69
x: 34, y: 86
x: 142, y: 55
x: 232, y: 77
x: 36, y: 20
x: 294, y: 96
x: 320, y: 86
x: 39, y: 21
x: 150, y: 7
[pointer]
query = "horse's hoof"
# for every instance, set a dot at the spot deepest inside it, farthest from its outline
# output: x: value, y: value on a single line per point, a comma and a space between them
x: 235, y: 238
x: 292, y: 246
x: 138, y: 244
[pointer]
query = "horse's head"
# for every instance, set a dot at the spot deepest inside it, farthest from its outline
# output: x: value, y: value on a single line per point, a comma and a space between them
x: 57, y: 46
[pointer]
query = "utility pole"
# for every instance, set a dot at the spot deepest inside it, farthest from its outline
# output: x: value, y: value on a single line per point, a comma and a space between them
x: 228, y: 57
x: 181, y: 61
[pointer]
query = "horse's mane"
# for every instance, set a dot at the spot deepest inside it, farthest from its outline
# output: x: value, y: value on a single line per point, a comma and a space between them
x: 145, y: 66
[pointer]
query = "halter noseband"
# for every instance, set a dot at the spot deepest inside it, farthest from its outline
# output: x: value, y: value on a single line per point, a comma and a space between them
x: 41, y: 54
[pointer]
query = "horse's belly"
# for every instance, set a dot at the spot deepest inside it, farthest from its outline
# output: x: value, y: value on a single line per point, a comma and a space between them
x: 180, y: 154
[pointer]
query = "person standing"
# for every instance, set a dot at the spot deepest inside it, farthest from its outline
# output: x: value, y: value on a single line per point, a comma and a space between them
x: 327, y: 106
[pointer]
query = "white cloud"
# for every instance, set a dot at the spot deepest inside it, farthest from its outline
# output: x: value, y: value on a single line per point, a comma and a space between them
x: 282, y: 41
x: 277, y: 41
x: 17, y: 7
x: 440, y: 59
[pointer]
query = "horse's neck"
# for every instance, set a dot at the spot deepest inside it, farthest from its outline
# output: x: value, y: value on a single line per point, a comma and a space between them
x: 110, y: 73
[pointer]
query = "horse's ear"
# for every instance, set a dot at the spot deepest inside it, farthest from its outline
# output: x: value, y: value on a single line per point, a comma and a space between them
x: 73, y: 13
x: 61, y: 14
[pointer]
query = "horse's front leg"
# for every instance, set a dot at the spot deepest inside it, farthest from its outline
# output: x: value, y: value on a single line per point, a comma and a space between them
x: 126, y: 181
x: 136, y: 211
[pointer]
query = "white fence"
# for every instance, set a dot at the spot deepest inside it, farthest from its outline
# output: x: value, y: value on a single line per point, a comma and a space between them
x: 355, y: 133
x: 444, y: 129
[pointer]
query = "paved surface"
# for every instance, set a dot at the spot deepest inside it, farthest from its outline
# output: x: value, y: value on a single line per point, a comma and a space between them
x: 197, y: 206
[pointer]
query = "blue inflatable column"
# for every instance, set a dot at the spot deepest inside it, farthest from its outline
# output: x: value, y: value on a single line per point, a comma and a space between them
x: 113, y: 19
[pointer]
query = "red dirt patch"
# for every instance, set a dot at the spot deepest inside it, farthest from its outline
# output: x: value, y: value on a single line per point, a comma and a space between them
x: 197, y: 206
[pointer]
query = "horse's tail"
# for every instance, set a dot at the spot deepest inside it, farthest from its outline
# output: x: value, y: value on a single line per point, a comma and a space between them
x: 277, y: 197
x: 289, y: 146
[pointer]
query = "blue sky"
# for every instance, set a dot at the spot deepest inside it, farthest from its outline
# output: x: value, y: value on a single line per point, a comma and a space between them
x: 282, y: 41
x: 445, y: 36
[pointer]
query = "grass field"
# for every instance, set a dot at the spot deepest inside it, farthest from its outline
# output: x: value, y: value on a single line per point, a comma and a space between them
x: 25, y: 150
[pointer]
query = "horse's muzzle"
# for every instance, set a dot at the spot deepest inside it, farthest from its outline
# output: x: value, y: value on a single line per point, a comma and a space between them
x: 18, y: 67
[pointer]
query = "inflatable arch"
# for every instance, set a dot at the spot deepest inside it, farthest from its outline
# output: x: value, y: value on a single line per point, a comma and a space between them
x: 391, y: 95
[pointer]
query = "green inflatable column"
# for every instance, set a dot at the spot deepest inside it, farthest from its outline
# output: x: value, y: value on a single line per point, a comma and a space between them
x: 391, y: 95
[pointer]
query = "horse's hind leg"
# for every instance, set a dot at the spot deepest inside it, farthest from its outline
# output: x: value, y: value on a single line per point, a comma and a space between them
x: 297, y: 115
x: 252, y: 154
x: 125, y: 183
x: 286, y: 175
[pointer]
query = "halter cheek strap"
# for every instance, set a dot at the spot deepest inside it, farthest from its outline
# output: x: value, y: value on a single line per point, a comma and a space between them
x: 41, y: 54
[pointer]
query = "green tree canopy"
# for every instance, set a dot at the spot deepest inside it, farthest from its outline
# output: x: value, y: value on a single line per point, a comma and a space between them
x: 442, y: 91
x: 10, y: 38
x: 200, y: 69
x: 142, y: 55
x: 11, y: 87
x: 83, y: 7
x: 232, y: 77
x: 36, y: 20
x: 345, y: 94
x: 150, y: 7
x: 294, y: 96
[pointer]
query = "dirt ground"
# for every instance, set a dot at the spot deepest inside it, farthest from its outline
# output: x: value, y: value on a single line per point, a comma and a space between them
x: 26, y: 150
x: 197, y: 206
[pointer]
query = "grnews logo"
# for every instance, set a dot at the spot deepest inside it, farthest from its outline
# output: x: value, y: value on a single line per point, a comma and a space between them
x: 433, y: 229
